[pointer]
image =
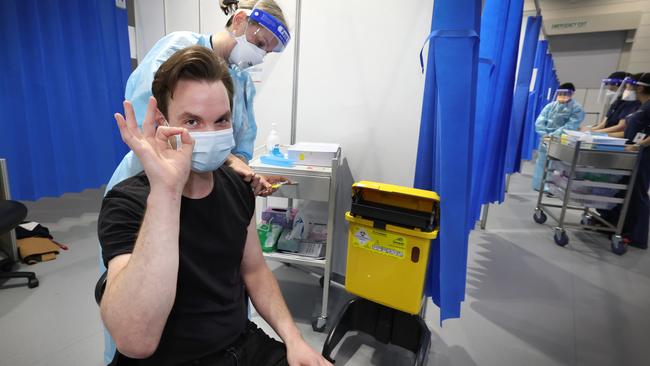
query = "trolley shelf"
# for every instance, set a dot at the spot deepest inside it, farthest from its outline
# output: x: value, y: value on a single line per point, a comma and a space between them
x: 574, y: 158
x: 314, y: 183
x: 619, y: 160
x: 588, y: 197
x: 295, y: 259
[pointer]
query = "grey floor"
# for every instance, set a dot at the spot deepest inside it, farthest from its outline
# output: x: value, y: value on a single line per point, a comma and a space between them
x: 529, y: 302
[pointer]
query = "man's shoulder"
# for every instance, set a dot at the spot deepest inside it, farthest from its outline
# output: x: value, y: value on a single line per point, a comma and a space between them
x: 230, y: 175
x: 235, y: 185
x: 136, y: 188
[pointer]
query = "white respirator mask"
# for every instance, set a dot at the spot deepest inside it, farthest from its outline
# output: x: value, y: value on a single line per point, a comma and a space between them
x: 629, y: 95
x: 246, y: 54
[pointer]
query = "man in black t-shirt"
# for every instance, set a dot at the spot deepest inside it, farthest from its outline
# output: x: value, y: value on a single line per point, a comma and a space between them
x: 180, y: 240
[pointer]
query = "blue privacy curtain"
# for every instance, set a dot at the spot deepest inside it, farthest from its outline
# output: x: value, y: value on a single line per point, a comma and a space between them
x: 64, y: 67
x: 445, y: 144
x: 500, y: 29
x: 535, y: 102
x: 520, y: 98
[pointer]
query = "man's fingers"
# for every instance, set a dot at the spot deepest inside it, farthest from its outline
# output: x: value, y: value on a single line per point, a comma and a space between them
x: 148, y: 123
x: 131, y: 122
x: 187, y: 143
x: 124, y: 130
x: 164, y: 132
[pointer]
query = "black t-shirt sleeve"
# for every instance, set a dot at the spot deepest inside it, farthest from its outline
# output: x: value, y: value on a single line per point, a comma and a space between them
x: 121, y: 216
x: 244, y: 192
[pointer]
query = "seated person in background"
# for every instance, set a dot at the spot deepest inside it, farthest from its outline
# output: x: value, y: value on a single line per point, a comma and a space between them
x: 180, y: 239
x: 623, y: 105
x: 562, y: 114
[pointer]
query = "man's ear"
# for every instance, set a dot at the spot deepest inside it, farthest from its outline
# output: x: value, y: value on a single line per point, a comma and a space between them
x: 160, y: 118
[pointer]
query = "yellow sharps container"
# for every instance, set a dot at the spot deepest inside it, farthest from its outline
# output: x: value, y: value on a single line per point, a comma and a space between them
x: 391, y: 228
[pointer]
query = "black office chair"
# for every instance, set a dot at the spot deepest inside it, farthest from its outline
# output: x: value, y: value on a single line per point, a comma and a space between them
x: 12, y: 213
x: 100, y: 287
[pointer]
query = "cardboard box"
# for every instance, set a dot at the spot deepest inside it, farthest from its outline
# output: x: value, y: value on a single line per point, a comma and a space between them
x: 313, y: 153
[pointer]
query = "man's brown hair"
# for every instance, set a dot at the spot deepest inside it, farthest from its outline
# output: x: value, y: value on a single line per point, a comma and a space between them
x: 192, y: 63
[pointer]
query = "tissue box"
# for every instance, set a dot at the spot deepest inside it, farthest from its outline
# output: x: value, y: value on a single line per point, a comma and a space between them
x: 279, y: 216
x: 311, y: 153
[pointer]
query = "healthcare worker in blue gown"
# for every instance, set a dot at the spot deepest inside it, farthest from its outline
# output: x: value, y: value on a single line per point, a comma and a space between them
x: 637, y: 131
x: 255, y: 28
x: 560, y: 115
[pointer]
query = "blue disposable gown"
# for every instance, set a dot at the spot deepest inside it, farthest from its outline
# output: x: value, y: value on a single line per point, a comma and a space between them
x: 138, y: 91
x: 555, y: 118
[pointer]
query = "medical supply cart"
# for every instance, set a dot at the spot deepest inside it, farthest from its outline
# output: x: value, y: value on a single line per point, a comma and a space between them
x: 314, y: 183
x: 390, y: 236
x: 586, y: 178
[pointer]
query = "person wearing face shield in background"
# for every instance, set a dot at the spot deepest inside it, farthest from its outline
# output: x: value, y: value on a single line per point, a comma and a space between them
x: 637, y: 133
x: 255, y: 28
x: 619, y: 105
x: 562, y: 114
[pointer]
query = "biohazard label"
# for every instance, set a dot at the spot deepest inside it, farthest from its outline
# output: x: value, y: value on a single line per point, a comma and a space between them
x: 379, y: 241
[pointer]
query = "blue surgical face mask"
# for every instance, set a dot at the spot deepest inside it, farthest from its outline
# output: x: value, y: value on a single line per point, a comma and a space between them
x: 210, y: 149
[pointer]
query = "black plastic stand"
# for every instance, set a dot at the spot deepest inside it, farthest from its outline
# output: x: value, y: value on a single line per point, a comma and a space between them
x: 385, y: 324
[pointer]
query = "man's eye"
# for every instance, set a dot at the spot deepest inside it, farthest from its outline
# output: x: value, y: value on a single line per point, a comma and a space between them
x: 192, y: 122
x: 222, y: 121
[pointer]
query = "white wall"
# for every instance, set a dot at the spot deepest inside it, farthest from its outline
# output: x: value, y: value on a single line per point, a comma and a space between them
x: 361, y: 84
x: 635, y: 58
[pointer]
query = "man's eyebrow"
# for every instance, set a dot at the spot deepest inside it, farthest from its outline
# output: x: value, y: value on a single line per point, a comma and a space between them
x: 188, y: 115
x: 226, y: 115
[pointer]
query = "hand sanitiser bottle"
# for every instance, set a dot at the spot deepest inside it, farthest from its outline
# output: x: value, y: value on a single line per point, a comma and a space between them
x: 272, y: 140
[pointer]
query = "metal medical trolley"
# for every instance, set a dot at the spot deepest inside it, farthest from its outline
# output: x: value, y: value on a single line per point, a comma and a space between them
x: 582, y: 163
x: 315, y: 183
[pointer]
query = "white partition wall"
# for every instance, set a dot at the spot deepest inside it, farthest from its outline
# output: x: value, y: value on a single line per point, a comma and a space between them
x: 361, y: 84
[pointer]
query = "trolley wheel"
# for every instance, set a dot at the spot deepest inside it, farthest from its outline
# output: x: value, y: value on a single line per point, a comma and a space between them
x: 618, y: 245
x: 560, y: 237
x: 319, y: 324
x: 32, y: 282
x: 539, y: 216
x: 586, y: 220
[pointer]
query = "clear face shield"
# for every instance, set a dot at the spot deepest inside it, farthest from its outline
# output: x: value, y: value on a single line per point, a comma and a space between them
x: 608, y: 88
x: 627, y: 90
x: 262, y: 35
x: 563, y: 95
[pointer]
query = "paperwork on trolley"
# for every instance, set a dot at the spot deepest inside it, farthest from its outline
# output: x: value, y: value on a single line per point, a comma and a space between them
x: 594, y: 141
